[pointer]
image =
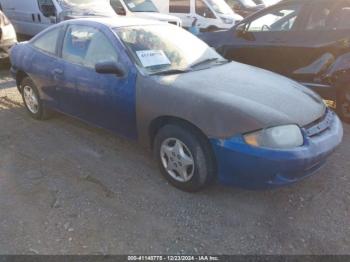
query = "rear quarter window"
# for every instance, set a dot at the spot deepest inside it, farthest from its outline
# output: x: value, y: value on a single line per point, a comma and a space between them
x: 47, y: 42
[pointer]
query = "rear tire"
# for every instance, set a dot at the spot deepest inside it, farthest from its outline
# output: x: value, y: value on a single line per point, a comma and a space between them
x: 343, y: 104
x: 184, y: 157
x: 32, y: 100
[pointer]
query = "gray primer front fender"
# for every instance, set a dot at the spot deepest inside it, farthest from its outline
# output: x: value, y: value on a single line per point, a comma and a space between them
x: 216, y: 119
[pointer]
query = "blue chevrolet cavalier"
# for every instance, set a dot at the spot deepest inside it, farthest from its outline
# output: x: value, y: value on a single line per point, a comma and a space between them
x: 204, y: 118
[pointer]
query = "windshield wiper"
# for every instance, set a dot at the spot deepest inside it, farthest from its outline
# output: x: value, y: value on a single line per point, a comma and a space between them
x: 205, y: 61
x: 170, y: 72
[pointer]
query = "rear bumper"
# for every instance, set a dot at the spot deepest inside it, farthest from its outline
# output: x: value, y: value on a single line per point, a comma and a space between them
x: 240, y: 164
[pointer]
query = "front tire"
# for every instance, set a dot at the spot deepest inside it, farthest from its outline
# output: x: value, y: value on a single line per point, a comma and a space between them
x: 343, y: 104
x: 31, y: 100
x: 184, y: 157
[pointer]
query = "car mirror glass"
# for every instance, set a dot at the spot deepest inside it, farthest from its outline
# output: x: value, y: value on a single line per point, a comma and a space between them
x: 241, y: 30
x: 121, y: 11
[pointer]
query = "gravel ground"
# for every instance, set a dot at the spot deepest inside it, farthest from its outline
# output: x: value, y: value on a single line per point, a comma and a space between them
x: 69, y: 188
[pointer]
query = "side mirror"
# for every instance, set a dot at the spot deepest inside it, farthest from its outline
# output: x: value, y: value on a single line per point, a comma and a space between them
x: 110, y: 67
x: 241, y: 30
x: 121, y: 11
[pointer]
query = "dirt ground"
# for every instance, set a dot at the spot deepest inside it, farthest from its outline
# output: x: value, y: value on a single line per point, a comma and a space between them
x: 69, y: 188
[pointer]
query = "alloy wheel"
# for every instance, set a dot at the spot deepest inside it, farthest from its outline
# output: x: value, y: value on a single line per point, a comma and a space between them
x: 31, y: 99
x: 177, y: 160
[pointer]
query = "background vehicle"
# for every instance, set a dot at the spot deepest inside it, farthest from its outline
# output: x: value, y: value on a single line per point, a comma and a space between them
x: 245, y: 7
x: 7, y: 37
x: 143, y: 9
x: 211, y: 14
x: 29, y: 17
x: 203, y: 117
x: 308, y: 41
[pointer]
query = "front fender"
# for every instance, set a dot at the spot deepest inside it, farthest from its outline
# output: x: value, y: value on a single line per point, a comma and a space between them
x: 216, y: 119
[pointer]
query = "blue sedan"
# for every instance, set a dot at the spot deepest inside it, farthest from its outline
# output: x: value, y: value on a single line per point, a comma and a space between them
x: 204, y: 118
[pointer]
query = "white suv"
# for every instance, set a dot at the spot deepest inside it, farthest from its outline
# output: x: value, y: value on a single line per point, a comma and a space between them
x: 7, y: 36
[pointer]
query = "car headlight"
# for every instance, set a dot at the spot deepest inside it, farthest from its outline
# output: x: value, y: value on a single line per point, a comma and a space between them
x: 280, y: 137
x: 227, y: 20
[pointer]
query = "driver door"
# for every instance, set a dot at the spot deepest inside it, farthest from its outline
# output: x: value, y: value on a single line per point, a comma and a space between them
x: 259, y: 40
x: 105, y: 100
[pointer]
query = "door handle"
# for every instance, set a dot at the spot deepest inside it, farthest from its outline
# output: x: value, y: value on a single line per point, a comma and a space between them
x: 57, y: 72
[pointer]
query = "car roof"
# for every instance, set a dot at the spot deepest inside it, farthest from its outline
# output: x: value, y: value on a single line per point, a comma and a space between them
x: 115, y: 22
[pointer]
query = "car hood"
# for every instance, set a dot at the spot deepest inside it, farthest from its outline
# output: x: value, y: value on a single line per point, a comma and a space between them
x: 266, y: 97
x: 157, y: 16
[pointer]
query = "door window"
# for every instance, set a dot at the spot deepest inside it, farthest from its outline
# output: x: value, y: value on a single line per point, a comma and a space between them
x: 203, y: 10
x: 330, y: 17
x: 282, y: 19
x: 47, y: 8
x: 87, y: 46
x: 48, y: 41
x: 180, y: 6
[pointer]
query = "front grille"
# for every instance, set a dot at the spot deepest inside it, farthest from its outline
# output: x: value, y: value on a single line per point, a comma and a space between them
x: 319, y: 126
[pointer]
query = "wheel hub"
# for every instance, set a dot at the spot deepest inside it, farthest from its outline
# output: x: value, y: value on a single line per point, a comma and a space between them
x: 30, y: 99
x: 177, y: 160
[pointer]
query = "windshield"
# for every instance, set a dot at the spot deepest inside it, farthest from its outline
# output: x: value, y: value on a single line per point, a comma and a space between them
x: 157, y: 48
x: 82, y: 2
x: 220, y: 6
x: 141, y: 5
x: 86, y: 8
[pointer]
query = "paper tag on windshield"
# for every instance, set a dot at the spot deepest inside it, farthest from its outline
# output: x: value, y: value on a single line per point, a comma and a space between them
x: 131, y: 5
x: 153, y: 58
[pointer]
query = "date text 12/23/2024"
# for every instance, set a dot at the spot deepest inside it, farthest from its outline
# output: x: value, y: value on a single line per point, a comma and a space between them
x: 173, y: 258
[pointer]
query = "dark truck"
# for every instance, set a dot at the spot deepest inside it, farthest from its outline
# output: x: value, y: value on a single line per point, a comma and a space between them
x: 308, y: 41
